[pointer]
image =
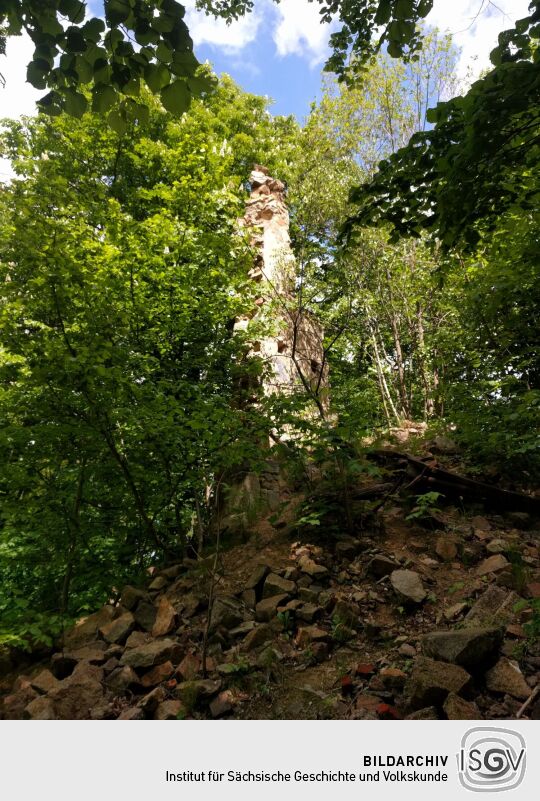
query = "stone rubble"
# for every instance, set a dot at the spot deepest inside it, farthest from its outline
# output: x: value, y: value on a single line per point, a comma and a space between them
x: 423, y: 639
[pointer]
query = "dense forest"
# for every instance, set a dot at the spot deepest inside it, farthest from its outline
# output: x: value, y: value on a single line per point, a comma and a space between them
x: 128, y: 402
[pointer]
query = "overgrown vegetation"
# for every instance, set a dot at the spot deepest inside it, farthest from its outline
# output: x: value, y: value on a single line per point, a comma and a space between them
x: 123, y: 399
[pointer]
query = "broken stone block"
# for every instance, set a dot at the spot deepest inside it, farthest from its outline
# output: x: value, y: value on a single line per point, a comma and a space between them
x: 152, y: 653
x: 446, y: 549
x: 227, y: 611
x: 257, y: 577
x: 44, y: 682
x: 192, y: 692
x: 393, y: 679
x: 170, y: 710
x: 381, y: 566
x: 428, y: 713
x: 408, y: 586
x: 256, y: 637
x: 310, y: 634
x: 222, y: 705
x: 472, y: 648
x: 87, y: 628
x: 145, y: 615
x: 158, y: 584
x: 493, y: 608
x: 310, y: 567
x: 347, y: 549
x: 165, y: 618
x: 189, y: 667
x: 267, y: 609
x: 131, y: 596
x: 137, y: 638
x: 275, y: 585
x: 431, y: 681
x: 249, y: 597
x: 455, y: 611
x: 309, y: 612
x: 308, y: 595
x: 41, y: 708
x: 157, y: 675
x: 77, y: 695
x: 407, y: 650
x: 493, y: 564
x: 150, y: 702
x: 117, y: 631
x: 94, y: 652
x: 457, y: 708
x: 506, y: 677
x: 347, y: 613
x: 131, y: 713
x: 121, y: 679
x: 497, y: 546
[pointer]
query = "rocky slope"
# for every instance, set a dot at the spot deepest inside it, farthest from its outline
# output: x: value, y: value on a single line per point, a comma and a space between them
x: 401, y: 620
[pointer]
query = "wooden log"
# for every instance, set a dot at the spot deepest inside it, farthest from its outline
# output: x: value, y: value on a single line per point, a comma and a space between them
x: 455, y: 484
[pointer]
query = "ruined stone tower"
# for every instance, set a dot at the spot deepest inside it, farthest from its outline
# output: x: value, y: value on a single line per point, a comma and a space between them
x: 294, y: 351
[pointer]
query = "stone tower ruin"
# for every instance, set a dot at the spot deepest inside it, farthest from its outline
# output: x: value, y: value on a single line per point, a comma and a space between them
x: 294, y: 352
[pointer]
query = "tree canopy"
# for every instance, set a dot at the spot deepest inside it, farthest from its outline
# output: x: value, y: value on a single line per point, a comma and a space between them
x: 148, y: 43
x: 479, y: 159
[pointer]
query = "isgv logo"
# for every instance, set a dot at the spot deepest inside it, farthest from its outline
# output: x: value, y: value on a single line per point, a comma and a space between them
x: 491, y: 760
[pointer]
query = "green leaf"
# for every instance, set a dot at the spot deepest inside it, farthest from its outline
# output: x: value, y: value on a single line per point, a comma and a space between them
x: 184, y: 64
x: 49, y: 24
x: 74, y: 10
x: 132, y: 88
x: 164, y: 23
x: 84, y: 70
x: 117, y: 11
x: 104, y: 98
x: 117, y: 122
x: 156, y: 76
x: 76, y: 43
x: 176, y: 97
x: 383, y: 12
x: 93, y: 29
x: 75, y: 103
x: 35, y: 74
x: 202, y: 84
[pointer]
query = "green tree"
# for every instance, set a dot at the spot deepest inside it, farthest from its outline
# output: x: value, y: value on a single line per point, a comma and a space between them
x: 120, y: 392
x: 137, y: 44
x: 149, y: 43
x: 480, y: 158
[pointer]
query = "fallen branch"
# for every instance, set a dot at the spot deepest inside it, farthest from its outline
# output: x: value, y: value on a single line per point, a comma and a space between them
x: 455, y: 485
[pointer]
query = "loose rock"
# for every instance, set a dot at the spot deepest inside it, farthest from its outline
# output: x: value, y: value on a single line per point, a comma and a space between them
x: 472, y: 648
x: 408, y: 586
x: 457, y: 708
x: 153, y: 653
x: 431, y: 681
x: 506, y: 677
x: 275, y: 585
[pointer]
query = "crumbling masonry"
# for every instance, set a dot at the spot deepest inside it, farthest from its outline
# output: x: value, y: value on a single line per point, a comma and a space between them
x: 295, y: 351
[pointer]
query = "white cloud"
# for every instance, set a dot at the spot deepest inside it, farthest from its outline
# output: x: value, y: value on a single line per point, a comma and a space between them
x: 475, y: 25
x: 299, y: 30
x: 215, y: 31
x: 17, y: 97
